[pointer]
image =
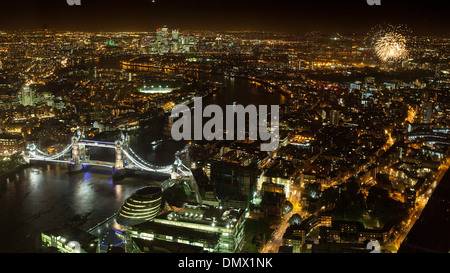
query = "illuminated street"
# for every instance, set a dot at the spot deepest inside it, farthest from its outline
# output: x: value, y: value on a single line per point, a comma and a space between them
x: 222, y: 127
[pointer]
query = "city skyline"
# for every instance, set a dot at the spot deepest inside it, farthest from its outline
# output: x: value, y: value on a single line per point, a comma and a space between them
x: 145, y: 127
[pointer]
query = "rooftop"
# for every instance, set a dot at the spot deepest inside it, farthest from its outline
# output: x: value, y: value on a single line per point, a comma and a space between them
x: 204, y: 214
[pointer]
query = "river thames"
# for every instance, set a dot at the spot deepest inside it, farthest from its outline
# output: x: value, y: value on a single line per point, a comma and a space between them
x: 45, y: 197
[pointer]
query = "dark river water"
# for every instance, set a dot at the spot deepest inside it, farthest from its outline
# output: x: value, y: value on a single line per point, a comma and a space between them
x: 44, y: 197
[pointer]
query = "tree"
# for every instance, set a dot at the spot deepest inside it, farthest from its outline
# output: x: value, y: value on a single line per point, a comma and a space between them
x: 330, y: 195
x: 312, y: 190
x: 385, y: 209
x: 295, y: 219
x: 287, y: 207
x: 352, y: 187
x: 257, y: 228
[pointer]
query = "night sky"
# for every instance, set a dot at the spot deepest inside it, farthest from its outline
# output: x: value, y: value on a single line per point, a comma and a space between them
x: 423, y: 17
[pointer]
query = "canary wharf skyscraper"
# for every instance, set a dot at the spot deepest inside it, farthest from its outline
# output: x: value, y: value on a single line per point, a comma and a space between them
x: 26, y: 96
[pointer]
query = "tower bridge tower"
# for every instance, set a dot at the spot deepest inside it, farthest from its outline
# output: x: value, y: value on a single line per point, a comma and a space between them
x: 119, y: 156
x: 78, y: 153
x: 119, y: 166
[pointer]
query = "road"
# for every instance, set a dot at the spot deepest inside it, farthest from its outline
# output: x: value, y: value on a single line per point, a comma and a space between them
x: 276, y: 240
x: 422, y: 201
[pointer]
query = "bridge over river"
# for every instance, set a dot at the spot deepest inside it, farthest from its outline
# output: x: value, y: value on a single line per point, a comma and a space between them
x: 76, y: 155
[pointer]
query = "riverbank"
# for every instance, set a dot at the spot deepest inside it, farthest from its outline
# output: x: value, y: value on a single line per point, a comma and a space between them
x: 45, y: 199
x: 268, y: 85
x: 13, y: 172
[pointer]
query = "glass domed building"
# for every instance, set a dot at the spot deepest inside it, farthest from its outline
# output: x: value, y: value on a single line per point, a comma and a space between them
x: 141, y: 206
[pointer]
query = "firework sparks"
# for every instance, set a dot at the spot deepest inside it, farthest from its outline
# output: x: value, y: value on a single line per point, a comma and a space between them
x: 390, y: 43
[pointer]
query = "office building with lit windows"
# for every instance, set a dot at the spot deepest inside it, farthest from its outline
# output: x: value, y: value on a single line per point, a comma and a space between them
x: 215, y: 229
x: 233, y: 182
x: 11, y: 144
x: 410, y: 196
x: 27, y: 95
x: 70, y: 241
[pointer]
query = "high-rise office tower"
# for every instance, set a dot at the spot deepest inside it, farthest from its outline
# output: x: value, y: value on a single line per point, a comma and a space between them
x: 175, y: 34
x: 26, y: 96
x: 233, y: 182
x: 159, y: 35
x: 165, y: 35
x: 162, y: 35
x: 334, y: 117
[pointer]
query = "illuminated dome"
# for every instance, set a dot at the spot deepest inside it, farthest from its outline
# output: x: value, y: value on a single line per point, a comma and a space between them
x: 141, y: 206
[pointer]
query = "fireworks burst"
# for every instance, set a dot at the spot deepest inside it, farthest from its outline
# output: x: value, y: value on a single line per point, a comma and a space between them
x: 390, y: 42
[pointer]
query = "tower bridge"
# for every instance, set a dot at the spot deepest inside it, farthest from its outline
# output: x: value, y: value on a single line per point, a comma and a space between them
x: 77, y: 157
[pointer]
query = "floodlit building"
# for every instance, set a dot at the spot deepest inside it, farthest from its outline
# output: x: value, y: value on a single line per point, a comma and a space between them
x: 26, y: 96
x: 214, y: 229
x: 140, y: 207
x: 11, y: 144
x: 70, y: 241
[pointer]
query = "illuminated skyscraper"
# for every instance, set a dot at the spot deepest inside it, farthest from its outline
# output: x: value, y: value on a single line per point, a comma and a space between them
x: 175, y: 34
x: 26, y: 96
x: 162, y: 39
x: 334, y: 117
x: 159, y: 35
x: 162, y: 35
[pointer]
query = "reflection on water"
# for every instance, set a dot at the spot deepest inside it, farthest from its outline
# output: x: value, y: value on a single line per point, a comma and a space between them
x: 243, y: 92
x: 45, y: 197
